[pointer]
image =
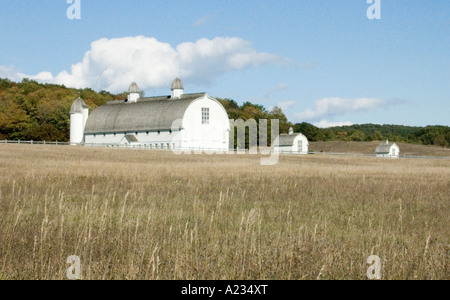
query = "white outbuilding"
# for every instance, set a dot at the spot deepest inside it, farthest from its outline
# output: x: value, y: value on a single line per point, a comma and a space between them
x: 177, y: 121
x: 388, y: 150
x: 295, y: 143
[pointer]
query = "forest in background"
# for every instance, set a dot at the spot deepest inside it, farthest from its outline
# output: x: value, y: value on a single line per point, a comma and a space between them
x: 40, y: 112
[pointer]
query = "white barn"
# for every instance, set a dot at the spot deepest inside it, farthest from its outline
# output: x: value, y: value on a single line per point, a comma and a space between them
x: 388, y: 150
x: 178, y: 121
x: 292, y: 142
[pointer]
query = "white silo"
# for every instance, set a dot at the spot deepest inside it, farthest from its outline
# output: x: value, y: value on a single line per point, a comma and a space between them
x: 79, y: 113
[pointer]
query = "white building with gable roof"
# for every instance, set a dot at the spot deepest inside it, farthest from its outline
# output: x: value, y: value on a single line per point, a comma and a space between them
x: 388, y: 150
x: 295, y: 143
x: 177, y: 121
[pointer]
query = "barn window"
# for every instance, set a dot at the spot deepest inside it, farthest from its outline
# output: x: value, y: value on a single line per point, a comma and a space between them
x: 205, y: 116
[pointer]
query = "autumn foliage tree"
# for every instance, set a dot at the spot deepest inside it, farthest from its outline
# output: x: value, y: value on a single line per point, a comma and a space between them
x: 40, y: 112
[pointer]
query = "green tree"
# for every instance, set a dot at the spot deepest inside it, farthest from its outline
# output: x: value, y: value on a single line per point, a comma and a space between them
x: 312, y: 132
x: 277, y: 114
x: 357, y: 136
x: 377, y: 136
x: 14, y: 122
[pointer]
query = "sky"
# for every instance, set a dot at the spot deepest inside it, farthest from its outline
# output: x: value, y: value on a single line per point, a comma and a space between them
x: 325, y: 62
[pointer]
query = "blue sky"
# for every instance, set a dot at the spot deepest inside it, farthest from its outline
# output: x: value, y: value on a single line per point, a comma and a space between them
x: 322, y: 61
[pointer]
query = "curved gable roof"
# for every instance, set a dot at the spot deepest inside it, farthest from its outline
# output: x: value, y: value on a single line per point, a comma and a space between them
x: 134, y: 88
x: 147, y: 114
x: 177, y: 85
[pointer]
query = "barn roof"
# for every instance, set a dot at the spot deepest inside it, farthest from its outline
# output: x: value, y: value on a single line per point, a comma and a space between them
x: 131, y: 138
x: 78, y: 106
x: 134, y: 88
x: 147, y: 114
x: 384, y: 148
x: 288, y: 139
x: 177, y: 85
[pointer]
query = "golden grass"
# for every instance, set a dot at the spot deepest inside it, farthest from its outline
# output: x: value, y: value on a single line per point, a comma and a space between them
x: 153, y: 215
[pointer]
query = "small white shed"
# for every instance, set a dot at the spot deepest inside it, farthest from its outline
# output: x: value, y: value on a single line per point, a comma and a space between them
x: 388, y: 150
x: 292, y: 142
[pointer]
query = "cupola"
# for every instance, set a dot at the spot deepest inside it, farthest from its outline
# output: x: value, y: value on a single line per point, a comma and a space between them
x: 177, y: 89
x: 134, y: 93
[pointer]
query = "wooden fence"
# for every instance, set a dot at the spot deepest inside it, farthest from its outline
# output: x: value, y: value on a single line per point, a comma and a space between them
x: 196, y: 150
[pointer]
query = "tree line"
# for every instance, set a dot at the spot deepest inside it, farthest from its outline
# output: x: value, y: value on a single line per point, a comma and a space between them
x: 33, y: 111
x: 40, y: 112
x: 429, y: 135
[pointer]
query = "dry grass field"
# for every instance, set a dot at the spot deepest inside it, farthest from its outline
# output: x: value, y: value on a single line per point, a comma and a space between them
x: 153, y: 215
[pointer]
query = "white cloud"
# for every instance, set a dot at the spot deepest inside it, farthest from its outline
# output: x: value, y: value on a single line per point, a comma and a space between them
x: 330, y: 107
x: 112, y: 64
x: 326, y: 124
x: 285, y: 105
x: 203, y: 20
x: 42, y: 76
x: 279, y: 87
x: 9, y: 72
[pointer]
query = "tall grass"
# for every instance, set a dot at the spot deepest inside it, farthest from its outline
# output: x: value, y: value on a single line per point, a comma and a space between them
x: 153, y: 215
